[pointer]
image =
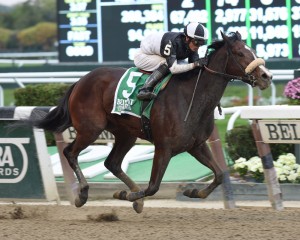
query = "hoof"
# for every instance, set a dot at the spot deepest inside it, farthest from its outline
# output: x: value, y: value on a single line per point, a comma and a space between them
x: 138, y: 205
x: 121, y: 195
x: 82, y: 197
x: 191, y: 193
x: 135, y: 196
x: 79, y: 203
x: 202, y: 194
x: 187, y: 193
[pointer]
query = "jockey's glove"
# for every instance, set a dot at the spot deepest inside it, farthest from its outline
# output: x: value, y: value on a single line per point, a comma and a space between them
x: 201, y: 62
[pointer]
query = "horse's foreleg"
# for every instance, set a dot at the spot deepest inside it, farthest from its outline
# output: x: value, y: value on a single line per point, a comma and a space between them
x: 138, y: 204
x: 203, y: 154
x: 113, y: 162
x: 160, y: 163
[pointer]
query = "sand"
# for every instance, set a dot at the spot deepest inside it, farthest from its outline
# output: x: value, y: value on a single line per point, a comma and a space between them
x: 101, y: 221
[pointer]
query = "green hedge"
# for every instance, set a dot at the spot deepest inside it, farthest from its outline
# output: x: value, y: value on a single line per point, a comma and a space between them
x: 41, y: 95
x: 240, y: 143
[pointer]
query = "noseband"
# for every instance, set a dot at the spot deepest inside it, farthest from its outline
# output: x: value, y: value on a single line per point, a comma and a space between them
x: 248, y: 77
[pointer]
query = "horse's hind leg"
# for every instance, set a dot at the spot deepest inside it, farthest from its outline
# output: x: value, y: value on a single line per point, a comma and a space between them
x: 71, y: 152
x: 203, y: 155
x: 123, y: 143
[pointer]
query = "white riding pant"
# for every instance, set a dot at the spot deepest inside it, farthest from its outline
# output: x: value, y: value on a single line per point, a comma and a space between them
x: 148, y: 62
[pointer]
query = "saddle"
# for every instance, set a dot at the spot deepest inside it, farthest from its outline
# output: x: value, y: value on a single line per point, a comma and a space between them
x: 126, y: 102
x: 165, y: 82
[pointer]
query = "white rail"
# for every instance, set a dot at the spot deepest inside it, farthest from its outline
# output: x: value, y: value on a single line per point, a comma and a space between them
x: 40, y: 77
x: 70, y: 77
x: 29, y: 58
x: 278, y: 75
x: 281, y: 75
x: 21, y: 62
x: 30, y: 55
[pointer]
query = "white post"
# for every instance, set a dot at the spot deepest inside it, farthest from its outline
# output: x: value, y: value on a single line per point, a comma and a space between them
x: 1, y: 96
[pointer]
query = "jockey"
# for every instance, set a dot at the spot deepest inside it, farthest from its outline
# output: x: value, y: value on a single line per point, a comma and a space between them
x: 161, y: 53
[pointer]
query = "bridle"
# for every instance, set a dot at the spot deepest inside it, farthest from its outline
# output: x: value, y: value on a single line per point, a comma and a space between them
x: 248, y: 77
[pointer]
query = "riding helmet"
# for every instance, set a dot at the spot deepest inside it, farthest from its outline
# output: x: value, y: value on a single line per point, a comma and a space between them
x: 196, y: 30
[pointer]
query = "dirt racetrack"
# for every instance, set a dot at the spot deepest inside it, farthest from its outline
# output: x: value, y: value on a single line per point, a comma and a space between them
x: 45, y: 222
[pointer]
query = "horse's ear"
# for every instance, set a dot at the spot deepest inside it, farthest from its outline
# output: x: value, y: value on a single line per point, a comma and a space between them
x: 225, y: 38
x: 222, y: 34
x: 239, y: 36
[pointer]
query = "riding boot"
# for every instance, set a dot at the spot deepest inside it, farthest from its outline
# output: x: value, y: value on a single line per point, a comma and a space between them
x: 146, y: 91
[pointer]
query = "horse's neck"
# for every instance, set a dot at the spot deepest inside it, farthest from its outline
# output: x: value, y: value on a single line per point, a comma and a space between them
x: 216, y: 83
x: 211, y: 87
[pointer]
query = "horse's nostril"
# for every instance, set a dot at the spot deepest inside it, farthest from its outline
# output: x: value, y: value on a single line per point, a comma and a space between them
x: 267, y: 76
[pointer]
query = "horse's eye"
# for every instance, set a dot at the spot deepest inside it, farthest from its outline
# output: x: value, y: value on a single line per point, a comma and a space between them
x: 240, y: 54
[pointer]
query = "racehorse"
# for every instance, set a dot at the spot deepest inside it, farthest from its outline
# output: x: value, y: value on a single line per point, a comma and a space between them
x: 88, y: 103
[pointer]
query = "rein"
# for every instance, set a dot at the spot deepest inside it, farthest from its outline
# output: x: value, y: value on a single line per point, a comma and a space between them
x: 248, y: 70
x: 247, y: 77
x: 192, y: 100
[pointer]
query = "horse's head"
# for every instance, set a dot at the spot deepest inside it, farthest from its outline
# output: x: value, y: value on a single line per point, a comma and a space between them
x: 243, y: 62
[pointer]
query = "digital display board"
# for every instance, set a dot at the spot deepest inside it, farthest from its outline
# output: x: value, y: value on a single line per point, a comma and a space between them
x: 127, y: 26
x: 111, y: 30
x: 268, y: 28
x: 294, y: 28
x: 228, y: 16
x: 78, y: 30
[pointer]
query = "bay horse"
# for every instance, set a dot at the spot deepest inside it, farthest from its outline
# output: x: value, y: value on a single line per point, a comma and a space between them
x: 88, y: 103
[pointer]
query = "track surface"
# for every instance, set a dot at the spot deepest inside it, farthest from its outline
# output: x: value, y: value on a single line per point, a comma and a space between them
x: 112, y: 221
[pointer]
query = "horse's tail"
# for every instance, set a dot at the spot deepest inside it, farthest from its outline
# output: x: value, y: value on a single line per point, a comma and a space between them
x: 56, y: 120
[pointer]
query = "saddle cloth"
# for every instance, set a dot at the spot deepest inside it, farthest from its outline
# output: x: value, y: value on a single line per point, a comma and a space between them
x: 125, y: 100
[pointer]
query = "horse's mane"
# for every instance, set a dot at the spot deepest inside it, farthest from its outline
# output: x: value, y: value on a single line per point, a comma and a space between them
x: 217, y: 44
x: 211, y: 50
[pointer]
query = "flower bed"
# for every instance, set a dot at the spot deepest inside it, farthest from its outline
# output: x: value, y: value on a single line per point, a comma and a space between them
x: 288, y: 171
x: 249, y: 185
x: 292, y: 91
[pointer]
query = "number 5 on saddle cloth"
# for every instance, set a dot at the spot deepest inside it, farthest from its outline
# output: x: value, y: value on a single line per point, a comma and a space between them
x: 125, y: 99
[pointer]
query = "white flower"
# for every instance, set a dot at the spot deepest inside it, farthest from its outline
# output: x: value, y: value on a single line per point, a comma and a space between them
x: 288, y: 159
x: 254, y: 160
x: 293, y: 176
x: 286, y: 167
x: 296, y: 166
x: 278, y: 164
x: 240, y: 160
x: 254, y: 167
x: 282, y: 177
x: 240, y: 163
x: 278, y: 171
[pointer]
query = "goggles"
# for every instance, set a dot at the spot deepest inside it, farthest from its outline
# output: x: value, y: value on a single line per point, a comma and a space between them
x: 198, y: 42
